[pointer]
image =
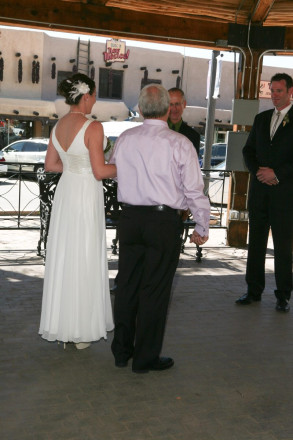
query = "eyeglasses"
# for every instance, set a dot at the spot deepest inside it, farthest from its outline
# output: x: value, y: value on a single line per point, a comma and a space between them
x: 176, y: 104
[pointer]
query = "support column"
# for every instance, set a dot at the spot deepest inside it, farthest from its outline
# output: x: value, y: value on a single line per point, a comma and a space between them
x: 237, y: 229
x: 37, y: 129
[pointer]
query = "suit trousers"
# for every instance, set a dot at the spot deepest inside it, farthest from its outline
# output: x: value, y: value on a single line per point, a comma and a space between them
x: 150, y: 243
x: 268, y: 211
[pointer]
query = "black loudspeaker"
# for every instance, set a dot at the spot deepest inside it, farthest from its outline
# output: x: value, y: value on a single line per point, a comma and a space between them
x: 260, y: 37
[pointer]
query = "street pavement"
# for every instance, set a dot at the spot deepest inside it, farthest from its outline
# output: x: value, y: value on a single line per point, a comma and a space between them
x: 232, y: 378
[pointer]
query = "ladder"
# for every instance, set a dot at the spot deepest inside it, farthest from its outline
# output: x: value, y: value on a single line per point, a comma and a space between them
x: 83, y: 57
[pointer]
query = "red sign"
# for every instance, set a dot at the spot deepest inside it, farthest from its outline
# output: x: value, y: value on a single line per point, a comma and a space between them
x: 115, y: 51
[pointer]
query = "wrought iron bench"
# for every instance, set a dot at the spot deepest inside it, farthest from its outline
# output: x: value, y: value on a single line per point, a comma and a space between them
x: 112, y: 212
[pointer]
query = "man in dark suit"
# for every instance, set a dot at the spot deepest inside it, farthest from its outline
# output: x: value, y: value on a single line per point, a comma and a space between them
x: 268, y: 154
x: 175, y: 122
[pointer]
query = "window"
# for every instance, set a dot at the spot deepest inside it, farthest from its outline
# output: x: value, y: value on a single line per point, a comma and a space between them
x: 43, y: 147
x: 16, y: 147
x: 110, y: 83
x: 30, y: 146
x: 221, y: 150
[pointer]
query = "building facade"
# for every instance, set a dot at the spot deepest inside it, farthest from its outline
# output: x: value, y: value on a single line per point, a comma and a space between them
x: 32, y: 63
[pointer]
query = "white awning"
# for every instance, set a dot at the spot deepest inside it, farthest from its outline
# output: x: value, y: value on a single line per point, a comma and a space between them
x: 26, y: 107
x: 102, y: 110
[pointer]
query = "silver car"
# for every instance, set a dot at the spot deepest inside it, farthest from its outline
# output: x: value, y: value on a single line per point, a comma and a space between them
x: 30, y: 153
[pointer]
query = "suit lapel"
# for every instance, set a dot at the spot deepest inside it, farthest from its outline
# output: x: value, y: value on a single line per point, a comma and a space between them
x: 288, y: 119
x: 269, y: 115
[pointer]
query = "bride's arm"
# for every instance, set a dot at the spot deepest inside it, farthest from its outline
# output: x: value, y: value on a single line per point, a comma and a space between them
x: 94, y: 138
x: 53, y: 162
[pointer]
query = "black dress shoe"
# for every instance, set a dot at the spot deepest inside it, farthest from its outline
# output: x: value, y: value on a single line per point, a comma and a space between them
x: 121, y: 364
x: 163, y: 363
x: 247, y: 298
x: 282, y: 305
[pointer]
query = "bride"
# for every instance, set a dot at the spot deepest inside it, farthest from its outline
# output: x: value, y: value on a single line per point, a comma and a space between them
x: 76, y: 303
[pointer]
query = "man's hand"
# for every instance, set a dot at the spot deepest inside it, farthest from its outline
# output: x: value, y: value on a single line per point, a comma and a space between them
x: 185, y: 215
x: 198, y: 239
x: 267, y: 175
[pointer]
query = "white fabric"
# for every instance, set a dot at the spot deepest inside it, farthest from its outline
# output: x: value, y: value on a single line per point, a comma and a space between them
x: 76, y: 303
x: 156, y: 166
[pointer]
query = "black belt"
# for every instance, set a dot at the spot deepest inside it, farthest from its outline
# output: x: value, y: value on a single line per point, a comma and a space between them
x: 160, y: 208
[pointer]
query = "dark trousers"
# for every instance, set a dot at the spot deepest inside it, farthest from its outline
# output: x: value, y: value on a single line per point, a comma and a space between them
x: 266, y: 213
x: 149, y: 250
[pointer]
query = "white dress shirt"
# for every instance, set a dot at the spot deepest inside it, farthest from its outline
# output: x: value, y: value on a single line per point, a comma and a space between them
x: 157, y: 166
x: 281, y: 117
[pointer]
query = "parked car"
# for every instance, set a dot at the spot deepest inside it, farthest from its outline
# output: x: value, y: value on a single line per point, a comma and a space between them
x: 32, y: 151
x: 218, y: 154
x: 3, y: 165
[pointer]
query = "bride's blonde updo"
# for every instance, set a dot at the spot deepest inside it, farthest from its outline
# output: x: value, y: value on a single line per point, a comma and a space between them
x: 75, y: 87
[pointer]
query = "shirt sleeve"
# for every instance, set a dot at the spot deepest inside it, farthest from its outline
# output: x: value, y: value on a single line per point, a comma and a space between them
x: 193, y: 188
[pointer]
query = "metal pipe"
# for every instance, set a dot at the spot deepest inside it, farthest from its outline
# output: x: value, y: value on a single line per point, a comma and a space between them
x: 251, y: 62
x: 244, y: 67
x: 209, y: 131
x: 258, y: 64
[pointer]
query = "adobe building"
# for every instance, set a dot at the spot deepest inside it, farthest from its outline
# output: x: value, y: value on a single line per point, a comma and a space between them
x: 32, y: 63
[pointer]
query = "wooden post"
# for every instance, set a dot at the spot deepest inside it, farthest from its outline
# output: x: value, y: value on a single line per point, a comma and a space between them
x: 237, y: 229
x: 37, y: 129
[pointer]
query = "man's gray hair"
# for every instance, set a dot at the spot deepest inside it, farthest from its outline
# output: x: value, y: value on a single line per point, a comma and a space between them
x: 154, y: 101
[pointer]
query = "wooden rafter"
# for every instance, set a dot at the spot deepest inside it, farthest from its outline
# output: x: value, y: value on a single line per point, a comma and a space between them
x: 186, y: 22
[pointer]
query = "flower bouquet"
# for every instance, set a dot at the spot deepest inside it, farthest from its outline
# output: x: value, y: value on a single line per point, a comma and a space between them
x: 108, y: 147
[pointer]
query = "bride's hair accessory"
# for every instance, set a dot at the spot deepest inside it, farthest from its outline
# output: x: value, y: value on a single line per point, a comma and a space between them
x: 78, y: 88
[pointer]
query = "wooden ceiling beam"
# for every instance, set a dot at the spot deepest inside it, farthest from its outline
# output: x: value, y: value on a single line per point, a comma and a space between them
x: 102, y: 20
x: 97, y: 19
x: 261, y: 11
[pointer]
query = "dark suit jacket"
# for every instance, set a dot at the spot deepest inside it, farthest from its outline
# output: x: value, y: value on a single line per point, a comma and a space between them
x: 191, y: 134
x: 261, y: 151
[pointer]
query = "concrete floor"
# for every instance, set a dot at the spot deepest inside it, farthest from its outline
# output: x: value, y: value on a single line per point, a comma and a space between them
x: 232, y: 378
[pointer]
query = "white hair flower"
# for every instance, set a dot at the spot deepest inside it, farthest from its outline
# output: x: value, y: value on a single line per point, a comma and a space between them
x: 79, y: 88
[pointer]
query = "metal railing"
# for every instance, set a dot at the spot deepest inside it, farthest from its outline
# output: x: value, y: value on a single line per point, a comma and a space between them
x: 19, y: 199
x: 217, y: 189
x: 26, y: 200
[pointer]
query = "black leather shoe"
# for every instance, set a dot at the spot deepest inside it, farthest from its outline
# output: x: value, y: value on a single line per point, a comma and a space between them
x: 113, y: 289
x: 247, y: 298
x: 121, y: 364
x: 163, y: 363
x: 282, y: 305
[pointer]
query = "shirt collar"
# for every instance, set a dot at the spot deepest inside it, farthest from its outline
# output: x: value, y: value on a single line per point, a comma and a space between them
x: 177, y: 125
x: 284, y: 111
x: 154, y: 122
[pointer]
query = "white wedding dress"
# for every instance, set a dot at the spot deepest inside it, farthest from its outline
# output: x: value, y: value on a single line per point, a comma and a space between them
x: 76, y: 304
